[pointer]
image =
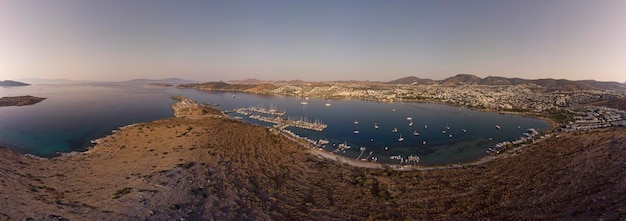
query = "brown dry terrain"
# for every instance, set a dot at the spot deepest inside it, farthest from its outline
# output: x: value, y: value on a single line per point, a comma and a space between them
x: 19, y: 101
x: 216, y: 168
x: 618, y: 103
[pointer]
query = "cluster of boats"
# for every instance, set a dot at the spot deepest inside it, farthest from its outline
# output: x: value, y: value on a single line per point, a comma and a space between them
x: 526, y: 137
x: 276, y: 117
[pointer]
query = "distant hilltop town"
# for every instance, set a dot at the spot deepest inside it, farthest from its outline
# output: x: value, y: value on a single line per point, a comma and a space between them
x: 494, y: 93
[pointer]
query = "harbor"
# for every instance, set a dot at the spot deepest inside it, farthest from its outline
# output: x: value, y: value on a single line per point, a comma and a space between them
x: 276, y: 117
x: 413, y: 129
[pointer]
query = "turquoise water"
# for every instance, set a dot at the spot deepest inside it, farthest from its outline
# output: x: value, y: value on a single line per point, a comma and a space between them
x: 72, y: 115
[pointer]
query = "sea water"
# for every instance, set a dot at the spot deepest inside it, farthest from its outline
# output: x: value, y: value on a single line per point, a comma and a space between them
x: 72, y: 115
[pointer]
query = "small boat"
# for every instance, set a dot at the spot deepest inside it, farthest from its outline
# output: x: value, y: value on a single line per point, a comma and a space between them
x: 443, y: 131
x: 498, y: 127
x: 234, y: 96
x: 464, y: 131
x: 411, y: 124
x: 395, y: 130
x: 386, y: 148
x: 327, y: 104
x: 450, y: 136
x: 356, y: 122
x: 426, y: 126
x: 323, y: 141
x: 372, y: 140
x: 415, y: 133
x: 401, y: 138
x: 424, y: 142
x: 409, y: 118
x: 356, y: 131
x: 375, y: 125
x: 304, y: 102
x: 394, y: 110
x: 447, y: 127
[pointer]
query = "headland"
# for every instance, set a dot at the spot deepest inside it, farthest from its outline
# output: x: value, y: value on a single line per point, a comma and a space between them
x: 203, y: 165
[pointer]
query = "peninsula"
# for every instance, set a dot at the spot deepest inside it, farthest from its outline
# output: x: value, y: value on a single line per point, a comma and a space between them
x: 20, y: 100
x: 203, y: 165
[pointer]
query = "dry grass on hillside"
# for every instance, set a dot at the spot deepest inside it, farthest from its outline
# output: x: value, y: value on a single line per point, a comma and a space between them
x: 215, y: 168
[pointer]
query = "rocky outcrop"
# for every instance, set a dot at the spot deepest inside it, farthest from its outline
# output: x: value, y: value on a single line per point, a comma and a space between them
x: 188, y: 107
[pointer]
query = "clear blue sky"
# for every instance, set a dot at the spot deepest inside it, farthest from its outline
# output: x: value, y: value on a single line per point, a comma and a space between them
x: 312, y: 40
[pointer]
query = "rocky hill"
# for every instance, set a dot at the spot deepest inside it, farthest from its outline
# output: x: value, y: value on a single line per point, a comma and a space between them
x: 215, y: 168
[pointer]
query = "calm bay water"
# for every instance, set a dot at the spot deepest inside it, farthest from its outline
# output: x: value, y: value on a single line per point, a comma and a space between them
x: 72, y: 115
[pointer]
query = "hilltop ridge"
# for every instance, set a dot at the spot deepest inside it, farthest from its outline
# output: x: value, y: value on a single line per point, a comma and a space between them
x: 469, y: 79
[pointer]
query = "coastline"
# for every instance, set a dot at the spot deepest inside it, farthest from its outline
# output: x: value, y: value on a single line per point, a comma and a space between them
x: 400, y: 167
x: 182, y: 167
x: 346, y: 160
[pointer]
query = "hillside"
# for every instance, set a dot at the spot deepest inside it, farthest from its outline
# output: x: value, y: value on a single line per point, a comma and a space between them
x: 460, y: 79
x: 552, y: 84
x: 209, y: 167
x: 9, y: 83
x: 221, y: 86
x: 412, y: 80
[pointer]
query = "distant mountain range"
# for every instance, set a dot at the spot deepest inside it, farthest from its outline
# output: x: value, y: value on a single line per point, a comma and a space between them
x: 134, y: 81
x: 556, y: 84
x: 51, y: 81
x: 159, y: 81
x: 9, y: 83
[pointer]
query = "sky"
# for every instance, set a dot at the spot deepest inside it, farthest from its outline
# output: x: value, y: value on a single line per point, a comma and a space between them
x: 312, y: 40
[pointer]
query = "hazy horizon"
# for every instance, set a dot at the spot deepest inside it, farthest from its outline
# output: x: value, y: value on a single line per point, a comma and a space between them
x: 312, y: 40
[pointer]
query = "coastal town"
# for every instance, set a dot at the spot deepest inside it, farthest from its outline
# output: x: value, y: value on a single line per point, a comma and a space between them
x: 523, y: 97
x: 570, y: 106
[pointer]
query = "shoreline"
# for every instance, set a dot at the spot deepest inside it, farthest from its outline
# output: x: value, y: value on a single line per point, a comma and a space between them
x: 313, y: 150
x: 345, y: 160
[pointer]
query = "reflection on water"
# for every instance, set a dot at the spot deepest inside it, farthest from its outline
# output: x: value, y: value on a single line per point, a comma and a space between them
x: 74, y: 114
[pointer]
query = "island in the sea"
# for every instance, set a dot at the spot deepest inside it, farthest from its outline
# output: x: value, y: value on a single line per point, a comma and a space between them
x: 20, y: 100
x: 9, y: 83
